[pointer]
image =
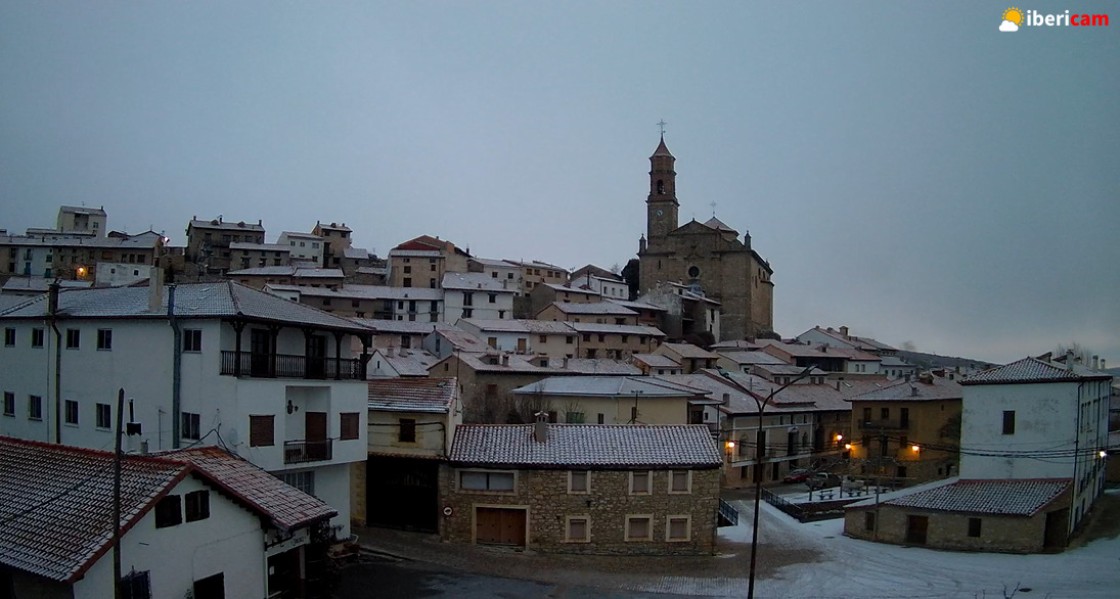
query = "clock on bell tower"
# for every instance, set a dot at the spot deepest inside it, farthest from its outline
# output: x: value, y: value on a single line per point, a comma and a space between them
x: 661, y: 205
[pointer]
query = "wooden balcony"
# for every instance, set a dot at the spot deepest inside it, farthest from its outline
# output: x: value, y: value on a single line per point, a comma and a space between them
x: 291, y: 366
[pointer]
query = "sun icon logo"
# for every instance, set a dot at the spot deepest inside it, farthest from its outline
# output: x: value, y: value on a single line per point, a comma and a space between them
x: 1012, y: 19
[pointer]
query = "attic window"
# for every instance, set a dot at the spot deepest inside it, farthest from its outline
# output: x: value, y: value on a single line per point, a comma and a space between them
x: 168, y: 512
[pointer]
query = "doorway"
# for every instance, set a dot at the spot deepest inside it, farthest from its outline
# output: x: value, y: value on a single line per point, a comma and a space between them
x: 916, y: 529
x: 500, y: 526
x: 315, y: 434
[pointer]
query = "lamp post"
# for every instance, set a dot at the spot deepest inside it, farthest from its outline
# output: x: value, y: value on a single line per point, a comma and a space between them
x: 760, y: 455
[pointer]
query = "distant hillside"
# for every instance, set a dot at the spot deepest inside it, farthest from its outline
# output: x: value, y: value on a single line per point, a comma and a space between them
x: 935, y: 361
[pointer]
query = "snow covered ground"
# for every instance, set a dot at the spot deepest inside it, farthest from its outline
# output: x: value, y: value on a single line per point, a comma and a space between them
x: 838, y: 567
x: 851, y: 568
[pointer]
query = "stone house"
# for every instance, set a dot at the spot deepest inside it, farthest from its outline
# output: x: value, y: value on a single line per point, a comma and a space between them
x: 423, y: 261
x: 536, y: 274
x: 542, y: 295
x: 1010, y: 516
x: 599, y: 312
x: 618, y: 341
x: 656, y: 364
x: 256, y: 255
x: 336, y: 239
x: 487, y: 380
x: 690, y: 357
x: 208, y: 241
x: 908, y: 432
x: 592, y: 489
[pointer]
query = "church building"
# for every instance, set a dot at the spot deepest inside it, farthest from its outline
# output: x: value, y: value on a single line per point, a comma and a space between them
x: 709, y: 257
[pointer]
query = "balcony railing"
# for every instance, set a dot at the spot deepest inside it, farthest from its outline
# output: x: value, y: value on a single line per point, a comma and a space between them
x: 298, y: 452
x: 290, y: 366
x: 886, y: 425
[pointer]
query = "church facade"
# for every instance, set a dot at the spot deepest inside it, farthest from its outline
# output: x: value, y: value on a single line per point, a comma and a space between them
x: 708, y: 256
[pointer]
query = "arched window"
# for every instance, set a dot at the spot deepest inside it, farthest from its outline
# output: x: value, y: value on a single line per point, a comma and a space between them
x: 660, y: 187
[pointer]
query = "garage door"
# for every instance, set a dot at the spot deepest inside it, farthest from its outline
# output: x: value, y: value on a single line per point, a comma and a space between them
x: 500, y: 526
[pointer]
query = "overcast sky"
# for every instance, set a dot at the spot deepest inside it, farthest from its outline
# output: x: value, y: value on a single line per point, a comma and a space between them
x: 907, y: 169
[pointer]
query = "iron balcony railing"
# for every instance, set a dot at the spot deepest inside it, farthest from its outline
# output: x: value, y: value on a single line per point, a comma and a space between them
x: 886, y: 425
x: 298, y: 452
x: 290, y: 366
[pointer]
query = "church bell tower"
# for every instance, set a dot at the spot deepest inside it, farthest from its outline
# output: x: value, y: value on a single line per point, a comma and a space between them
x: 661, y: 205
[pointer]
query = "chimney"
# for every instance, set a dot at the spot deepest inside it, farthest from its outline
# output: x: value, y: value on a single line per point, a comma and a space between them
x: 837, y: 384
x: 844, y: 332
x: 913, y: 390
x: 726, y: 398
x: 155, y: 290
x: 505, y: 360
x: 389, y: 351
x: 52, y: 298
x: 565, y: 362
x: 540, y: 428
x: 1069, y: 360
x: 1103, y: 367
x: 1096, y: 362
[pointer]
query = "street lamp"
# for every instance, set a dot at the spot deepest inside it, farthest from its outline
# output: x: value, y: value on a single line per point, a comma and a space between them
x: 760, y: 455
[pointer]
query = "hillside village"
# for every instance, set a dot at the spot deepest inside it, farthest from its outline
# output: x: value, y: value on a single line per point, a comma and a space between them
x: 274, y: 393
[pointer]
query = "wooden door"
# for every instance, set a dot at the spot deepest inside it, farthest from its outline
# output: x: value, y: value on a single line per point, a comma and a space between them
x: 315, y: 434
x: 500, y: 526
x: 916, y: 527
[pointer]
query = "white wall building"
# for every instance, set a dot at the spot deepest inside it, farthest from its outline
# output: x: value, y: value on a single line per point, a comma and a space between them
x: 476, y: 295
x: 1035, y: 419
x: 303, y: 246
x: 275, y: 381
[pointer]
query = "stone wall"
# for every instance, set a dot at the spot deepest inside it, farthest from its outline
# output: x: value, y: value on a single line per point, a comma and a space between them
x: 1006, y: 534
x: 544, y: 495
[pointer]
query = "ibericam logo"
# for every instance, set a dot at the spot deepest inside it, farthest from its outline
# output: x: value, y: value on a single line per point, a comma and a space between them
x: 1014, y: 18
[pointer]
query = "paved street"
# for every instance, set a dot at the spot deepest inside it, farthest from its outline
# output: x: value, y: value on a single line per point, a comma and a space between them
x: 391, y: 579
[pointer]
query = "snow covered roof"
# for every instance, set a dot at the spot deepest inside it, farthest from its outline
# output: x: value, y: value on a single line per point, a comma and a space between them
x: 1006, y: 497
x: 622, y: 329
x: 1032, y: 370
x: 474, y: 281
x: 224, y: 225
x: 935, y: 388
x: 192, y: 300
x: 604, y: 308
x: 688, y: 350
x: 609, y: 386
x: 426, y: 395
x: 595, y: 366
x: 655, y: 360
x: 623, y: 446
x: 718, y: 225
x: 400, y: 327
x: 742, y: 357
x: 263, y: 247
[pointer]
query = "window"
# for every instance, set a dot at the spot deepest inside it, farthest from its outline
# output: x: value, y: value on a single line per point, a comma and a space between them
x: 639, y: 528
x: 678, y: 528
x: 569, y: 417
x: 869, y: 521
x: 104, y: 339
x: 578, y: 529
x: 197, y: 504
x: 35, y: 407
x: 9, y: 403
x: 408, y: 430
x: 37, y: 337
x: 407, y: 282
x: 261, y: 431
x: 9, y: 337
x: 304, y: 481
x: 587, y: 337
x: 543, y: 338
x: 579, y: 482
x: 974, y: 527
x: 104, y: 416
x: 680, y: 481
x: 468, y: 312
x: 640, y: 482
x: 168, y: 512
x: 71, y: 412
x: 569, y: 339
x: 349, y: 423
x: 1009, y: 422
x: 884, y: 413
x: 191, y: 425
x: 468, y: 299
x: 136, y: 585
x: 492, y: 298
x: 476, y: 480
x: 867, y: 414
x: 73, y: 338
x: 408, y: 270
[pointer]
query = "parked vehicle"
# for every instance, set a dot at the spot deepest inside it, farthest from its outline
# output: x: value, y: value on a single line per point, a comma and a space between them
x: 823, y: 480
x: 798, y: 476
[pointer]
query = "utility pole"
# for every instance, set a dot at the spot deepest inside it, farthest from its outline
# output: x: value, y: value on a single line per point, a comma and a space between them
x: 117, y: 499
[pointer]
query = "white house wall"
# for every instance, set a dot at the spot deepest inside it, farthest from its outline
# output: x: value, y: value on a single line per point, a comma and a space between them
x: 230, y: 541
